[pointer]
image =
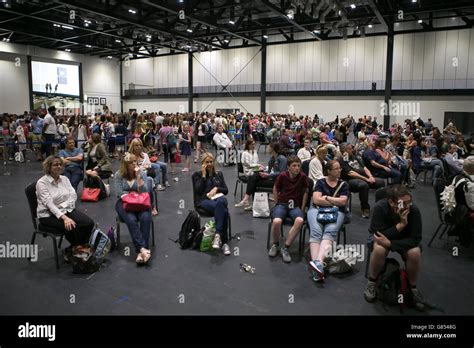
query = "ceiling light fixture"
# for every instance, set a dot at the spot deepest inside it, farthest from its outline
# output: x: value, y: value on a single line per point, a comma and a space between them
x: 265, y: 36
x: 231, y: 22
x: 420, y: 21
x: 370, y: 25
x: 353, y: 6
x: 67, y: 50
x: 88, y: 46
x: 67, y: 27
x: 132, y: 11
x: 110, y: 57
x: 189, y: 30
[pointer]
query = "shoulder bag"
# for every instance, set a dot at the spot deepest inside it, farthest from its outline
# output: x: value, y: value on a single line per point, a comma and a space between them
x: 328, y: 215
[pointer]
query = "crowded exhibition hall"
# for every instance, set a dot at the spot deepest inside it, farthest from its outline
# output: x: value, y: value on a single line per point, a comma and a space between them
x: 258, y: 158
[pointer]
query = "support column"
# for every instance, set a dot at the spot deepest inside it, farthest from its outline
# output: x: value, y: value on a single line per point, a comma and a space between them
x: 388, y: 76
x: 263, y: 79
x: 121, y: 87
x: 190, y: 82
x: 30, y: 82
x: 81, y: 90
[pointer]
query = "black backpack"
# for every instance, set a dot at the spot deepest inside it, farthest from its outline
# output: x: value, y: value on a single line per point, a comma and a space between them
x: 389, y: 282
x: 189, y: 230
x: 96, y: 182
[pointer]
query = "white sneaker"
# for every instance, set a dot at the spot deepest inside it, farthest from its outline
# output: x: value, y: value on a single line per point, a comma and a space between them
x: 216, y: 244
x: 167, y: 184
x: 160, y: 188
x: 226, y: 249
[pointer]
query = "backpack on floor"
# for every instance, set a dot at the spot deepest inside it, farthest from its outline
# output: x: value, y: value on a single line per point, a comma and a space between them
x: 189, y: 229
x: 83, y: 260
x: 389, y: 283
x: 96, y: 182
x: 101, y: 244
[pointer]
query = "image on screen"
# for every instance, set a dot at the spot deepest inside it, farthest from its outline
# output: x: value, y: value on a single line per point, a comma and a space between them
x: 55, y: 78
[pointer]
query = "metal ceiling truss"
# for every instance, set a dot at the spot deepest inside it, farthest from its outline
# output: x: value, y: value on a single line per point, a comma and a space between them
x: 149, y: 28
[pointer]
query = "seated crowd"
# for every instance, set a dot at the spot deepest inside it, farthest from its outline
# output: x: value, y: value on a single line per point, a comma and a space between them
x: 312, y: 170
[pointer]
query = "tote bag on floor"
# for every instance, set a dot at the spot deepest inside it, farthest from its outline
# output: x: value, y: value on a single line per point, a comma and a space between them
x: 260, y: 206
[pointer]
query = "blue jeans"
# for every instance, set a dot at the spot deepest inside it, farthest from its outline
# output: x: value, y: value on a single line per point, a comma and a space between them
x: 318, y: 231
x: 138, y: 224
x: 394, y: 174
x: 157, y: 167
x: 221, y: 214
x: 436, y: 166
x: 74, y: 174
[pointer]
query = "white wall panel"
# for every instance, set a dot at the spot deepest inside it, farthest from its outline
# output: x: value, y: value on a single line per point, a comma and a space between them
x: 439, y: 57
x: 334, y: 61
x: 379, y: 58
x: 418, y: 54
x: 451, y: 52
x: 369, y: 48
x: 14, y: 96
x: 407, y: 59
x: 308, y: 64
x: 342, y: 58
x: 463, y: 54
x: 428, y: 60
x: 317, y: 64
x: 351, y: 55
x: 359, y: 62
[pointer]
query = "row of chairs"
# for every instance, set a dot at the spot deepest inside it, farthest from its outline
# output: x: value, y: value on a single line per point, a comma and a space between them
x: 30, y: 191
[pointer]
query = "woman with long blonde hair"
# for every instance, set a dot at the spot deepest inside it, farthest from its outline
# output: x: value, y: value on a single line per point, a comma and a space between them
x: 209, y: 191
x: 131, y: 178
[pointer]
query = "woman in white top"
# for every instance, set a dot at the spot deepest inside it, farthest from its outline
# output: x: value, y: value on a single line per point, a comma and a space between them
x: 251, y: 167
x: 57, y: 204
x: 317, y: 163
x: 306, y: 152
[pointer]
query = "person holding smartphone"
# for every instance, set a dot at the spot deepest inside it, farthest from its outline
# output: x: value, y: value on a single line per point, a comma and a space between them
x: 210, y: 189
x: 396, y: 226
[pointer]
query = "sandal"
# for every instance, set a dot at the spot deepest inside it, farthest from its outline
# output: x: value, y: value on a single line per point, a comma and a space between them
x: 146, y: 256
x: 139, y: 259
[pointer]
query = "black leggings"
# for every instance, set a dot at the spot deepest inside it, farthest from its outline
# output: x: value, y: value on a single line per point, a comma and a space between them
x: 257, y: 181
x: 77, y: 236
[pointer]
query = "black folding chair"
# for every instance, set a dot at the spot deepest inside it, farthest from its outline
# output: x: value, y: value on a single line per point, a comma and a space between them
x: 30, y: 192
x: 443, y: 226
x: 262, y: 141
x: 241, y: 179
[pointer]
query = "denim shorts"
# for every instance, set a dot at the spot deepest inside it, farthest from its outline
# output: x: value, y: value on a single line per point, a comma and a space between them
x: 318, y: 231
x: 282, y: 210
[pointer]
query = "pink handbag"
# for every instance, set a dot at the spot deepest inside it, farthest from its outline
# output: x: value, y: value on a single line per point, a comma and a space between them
x: 135, y: 201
